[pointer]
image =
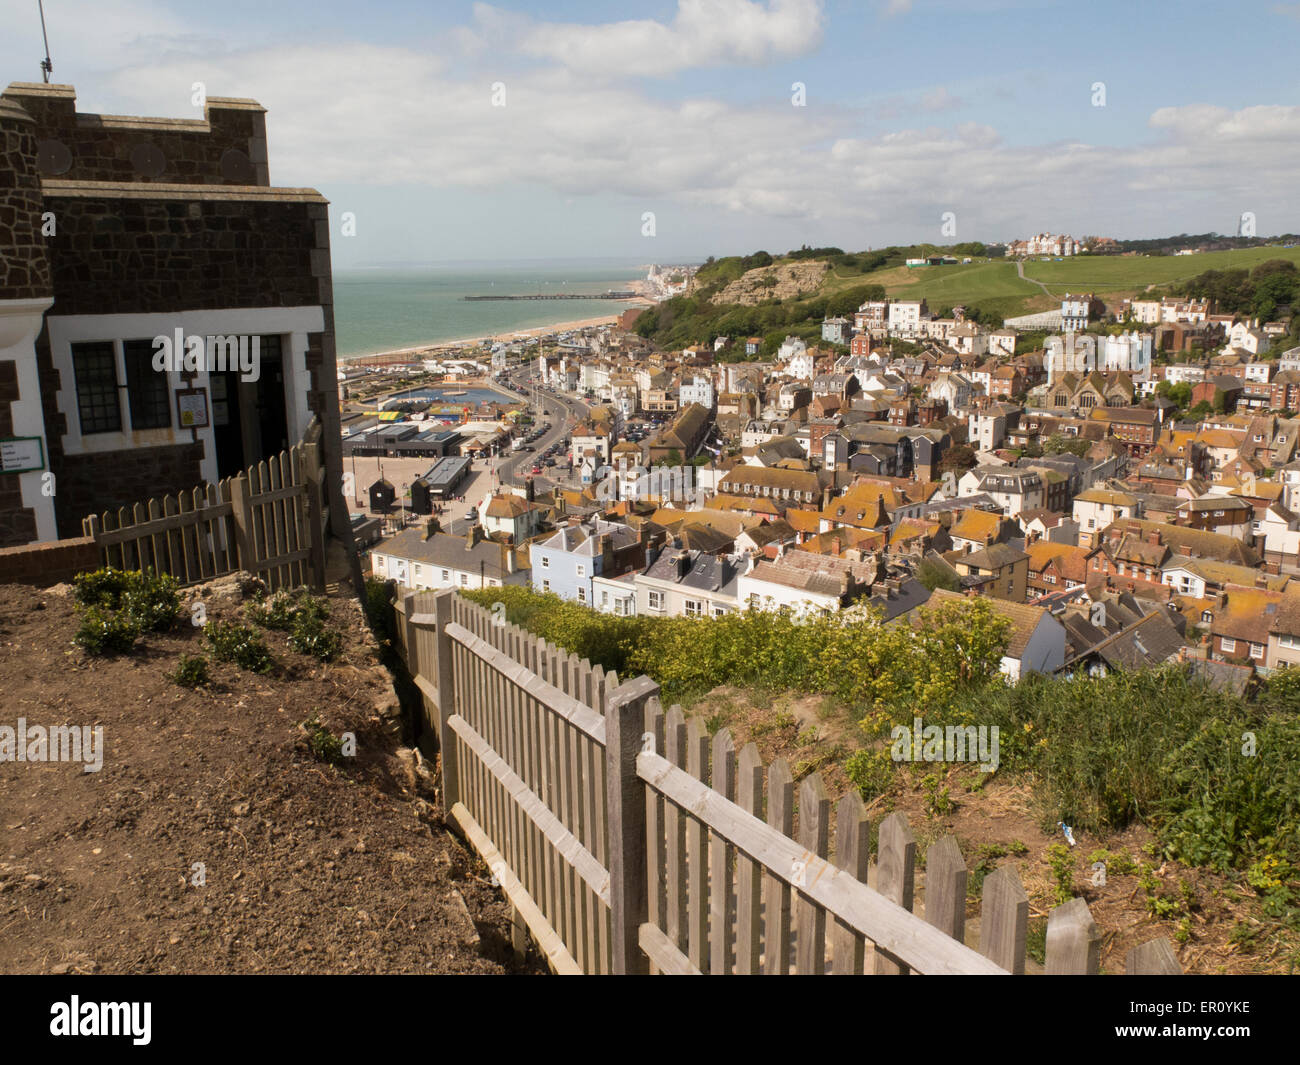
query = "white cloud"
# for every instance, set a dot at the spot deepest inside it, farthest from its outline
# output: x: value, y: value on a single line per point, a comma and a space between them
x: 704, y: 33
x: 897, y: 7
x: 365, y: 115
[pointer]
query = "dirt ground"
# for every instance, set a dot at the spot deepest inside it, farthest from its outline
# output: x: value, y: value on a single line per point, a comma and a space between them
x: 1000, y: 822
x: 212, y: 840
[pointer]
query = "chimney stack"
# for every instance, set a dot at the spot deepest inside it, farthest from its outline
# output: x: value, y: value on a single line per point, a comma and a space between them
x: 431, y: 528
x: 473, y: 536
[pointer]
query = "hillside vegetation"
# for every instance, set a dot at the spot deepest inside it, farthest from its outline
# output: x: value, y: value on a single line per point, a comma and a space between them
x: 1215, y: 778
x: 770, y: 296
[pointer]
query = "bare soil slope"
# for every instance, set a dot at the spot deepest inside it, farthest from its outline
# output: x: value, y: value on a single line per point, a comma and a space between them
x: 307, y: 867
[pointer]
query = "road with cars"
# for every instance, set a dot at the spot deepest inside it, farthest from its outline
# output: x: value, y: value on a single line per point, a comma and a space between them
x: 563, y: 412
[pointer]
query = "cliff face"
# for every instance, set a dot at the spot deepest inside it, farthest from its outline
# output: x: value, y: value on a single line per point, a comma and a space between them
x: 778, y: 281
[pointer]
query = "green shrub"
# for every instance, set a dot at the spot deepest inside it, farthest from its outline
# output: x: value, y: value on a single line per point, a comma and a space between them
x: 192, y: 672
x: 310, y: 636
x: 1062, y: 863
x: 151, y: 600
x: 283, y: 611
x: 379, y: 609
x: 232, y: 642
x: 104, y: 631
x: 325, y: 746
x: 103, y: 587
x: 870, y: 771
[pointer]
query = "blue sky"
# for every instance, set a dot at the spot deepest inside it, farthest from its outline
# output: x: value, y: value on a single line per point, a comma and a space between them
x: 913, y: 109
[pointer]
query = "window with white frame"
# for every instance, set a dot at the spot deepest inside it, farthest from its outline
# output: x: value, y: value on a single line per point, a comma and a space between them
x: 694, y: 608
x: 546, y: 562
x: 1288, y: 641
x: 655, y: 600
x: 1256, y: 650
x: 1228, y: 644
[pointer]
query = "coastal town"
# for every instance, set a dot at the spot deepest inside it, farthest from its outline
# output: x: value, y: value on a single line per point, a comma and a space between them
x: 904, y: 458
x: 551, y: 499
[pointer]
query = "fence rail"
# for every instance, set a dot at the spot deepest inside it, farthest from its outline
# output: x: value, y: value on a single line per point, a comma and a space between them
x: 269, y: 520
x: 627, y: 841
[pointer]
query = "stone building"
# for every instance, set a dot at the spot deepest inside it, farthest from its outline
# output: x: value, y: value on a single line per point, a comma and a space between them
x: 116, y: 231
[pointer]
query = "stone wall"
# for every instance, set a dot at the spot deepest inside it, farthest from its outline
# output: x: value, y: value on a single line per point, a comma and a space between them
x: 226, y: 147
x: 107, y: 480
x: 50, y: 563
x: 24, y: 267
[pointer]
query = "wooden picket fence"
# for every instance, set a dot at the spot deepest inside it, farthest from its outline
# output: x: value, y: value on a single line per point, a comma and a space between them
x: 269, y: 520
x: 627, y: 841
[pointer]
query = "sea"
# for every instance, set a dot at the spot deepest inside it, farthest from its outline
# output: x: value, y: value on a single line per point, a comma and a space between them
x: 388, y: 308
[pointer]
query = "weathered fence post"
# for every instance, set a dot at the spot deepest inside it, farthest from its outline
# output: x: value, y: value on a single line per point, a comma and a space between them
x: 895, y: 877
x: 242, y: 514
x: 413, y: 662
x: 1073, y: 941
x: 315, y: 530
x: 945, y: 888
x: 1004, y: 919
x: 1154, y: 958
x: 446, y: 702
x: 629, y: 895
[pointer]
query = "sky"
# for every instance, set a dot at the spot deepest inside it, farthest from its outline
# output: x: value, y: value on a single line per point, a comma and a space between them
x: 669, y: 131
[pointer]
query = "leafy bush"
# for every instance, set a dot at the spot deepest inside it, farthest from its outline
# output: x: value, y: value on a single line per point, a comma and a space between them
x: 103, y: 587
x: 310, y: 636
x: 1216, y: 777
x: 192, y: 672
x: 283, y: 611
x: 379, y: 608
x: 104, y: 631
x: 232, y: 642
x: 150, y: 600
x: 325, y: 746
x: 956, y: 649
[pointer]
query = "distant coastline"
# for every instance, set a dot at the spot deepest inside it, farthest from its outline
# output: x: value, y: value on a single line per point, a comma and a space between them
x: 505, y: 338
x: 381, y: 312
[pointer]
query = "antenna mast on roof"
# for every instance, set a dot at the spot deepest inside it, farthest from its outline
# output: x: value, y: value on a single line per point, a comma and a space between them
x: 47, y: 67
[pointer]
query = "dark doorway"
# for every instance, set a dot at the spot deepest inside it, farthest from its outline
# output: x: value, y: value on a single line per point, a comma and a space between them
x: 227, y: 426
x: 272, y: 414
x: 250, y: 419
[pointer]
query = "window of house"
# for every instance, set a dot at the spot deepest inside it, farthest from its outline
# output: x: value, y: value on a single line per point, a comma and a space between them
x: 694, y: 608
x: 1289, y: 641
x: 148, y: 396
x: 95, y: 369
x: 418, y: 569
x: 546, y: 562
x: 546, y: 585
x: 656, y: 600
x: 1228, y: 644
x: 446, y: 575
x: 618, y: 607
x: 464, y: 579
x: 1256, y: 650
x: 582, y: 570
x: 582, y: 595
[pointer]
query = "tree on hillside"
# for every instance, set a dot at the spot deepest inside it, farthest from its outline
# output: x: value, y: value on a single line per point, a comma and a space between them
x: 1059, y: 443
x: 959, y: 459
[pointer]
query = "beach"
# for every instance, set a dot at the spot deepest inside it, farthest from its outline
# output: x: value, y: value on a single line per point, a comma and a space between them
x: 505, y: 338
